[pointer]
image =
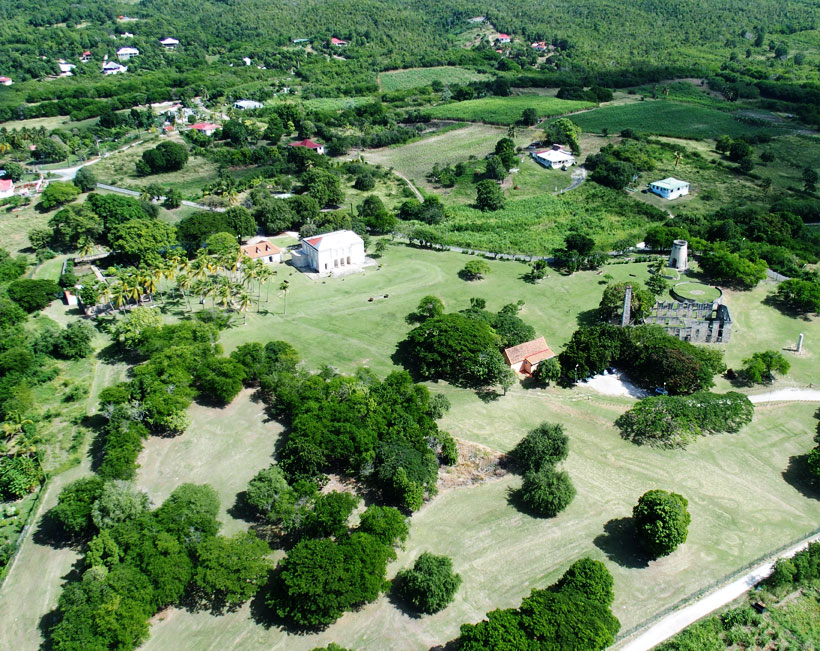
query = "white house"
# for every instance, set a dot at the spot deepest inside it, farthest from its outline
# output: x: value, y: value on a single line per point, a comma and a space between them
x: 247, y: 60
x: 244, y: 104
x: 525, y: 357
x: 670, y: 188
x: 85, y: 57
x: 113, y: 68
x: 6, y: 188
x: 207, y: 128
x: 555, y: 158
x: 169, y: 43
x: 6, y: 81
x: 258, y: 248
x: 126, y: 53
x: 65, y: 68
x: 331, y: 252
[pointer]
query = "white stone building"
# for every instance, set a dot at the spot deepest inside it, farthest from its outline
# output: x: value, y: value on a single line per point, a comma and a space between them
x: 245, y: 104
x: 670, y: 188
x: 331, y: 253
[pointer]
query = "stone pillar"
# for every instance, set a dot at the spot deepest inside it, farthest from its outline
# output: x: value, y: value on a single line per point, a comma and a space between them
x: 800, y: 343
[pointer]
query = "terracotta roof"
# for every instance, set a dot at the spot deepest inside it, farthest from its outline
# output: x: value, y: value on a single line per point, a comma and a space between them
x: 6, y: 185
x: 337, y: 41
x: 540, y: 356
x: 204, y: 126
x: 306, y: 143
x: 260, y: 249
x: 314, y: 241
x: 528, y: 350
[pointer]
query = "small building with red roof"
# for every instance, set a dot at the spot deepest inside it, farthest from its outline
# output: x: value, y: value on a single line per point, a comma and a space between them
x: 6, y: 81
x: 262, y: 249
x: 207, y: 128
x: 525, y: 357
x: 338, y: 42
x: 503, y: 38
x: 315, y: 146
x: 6, y: 188
x: 85, y: 57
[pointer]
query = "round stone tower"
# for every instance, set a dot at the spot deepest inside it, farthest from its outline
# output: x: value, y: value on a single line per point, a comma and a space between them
x: 679, y: 258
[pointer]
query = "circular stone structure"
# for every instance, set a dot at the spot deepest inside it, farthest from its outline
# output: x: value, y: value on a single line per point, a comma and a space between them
x: 693, y: 292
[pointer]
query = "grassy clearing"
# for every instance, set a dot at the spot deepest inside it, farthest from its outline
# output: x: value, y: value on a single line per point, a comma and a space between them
x: 506, y: 110
x: 417, y: 77
x: 668, y: 118
x: 793, y: 153
x: 335, y: 103
x: 537, y: 225
x: 119, y: 170
x: 416, y: 159
x: 473, y: 524
x: 332, y: 321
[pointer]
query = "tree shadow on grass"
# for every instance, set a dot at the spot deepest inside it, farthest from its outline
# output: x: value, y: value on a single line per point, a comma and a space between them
x: 588, y: 317
x: 619, y: 544
x: 49, y: 533
x: 400, y: 603
x: 452, y: 645
x: 797, y: 475
x: 266, y: 617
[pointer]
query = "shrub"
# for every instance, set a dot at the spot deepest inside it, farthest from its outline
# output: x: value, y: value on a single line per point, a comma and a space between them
x: 475, y: 270
x: 33, y: 295
x: 661, y: 521
x: 546, y: 492
x: 546, y: 445
x: 431, y: 585
x: 74, y: 505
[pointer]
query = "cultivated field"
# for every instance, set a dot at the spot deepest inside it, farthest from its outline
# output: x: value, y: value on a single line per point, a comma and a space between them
x: 506, y: 110
x: 669, y: 119
x: 417, y: 77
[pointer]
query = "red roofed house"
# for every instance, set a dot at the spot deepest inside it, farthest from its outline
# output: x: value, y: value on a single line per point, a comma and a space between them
x: 6, y: 188
x: 6, y: 81
x: 503, y: 38
x: 337, y: 42
x: 262, y: 249
x: 331, y: 253
x: 207, y: 128
x: 525, y: 357
x: 315, y: 146
x: 86, y: 57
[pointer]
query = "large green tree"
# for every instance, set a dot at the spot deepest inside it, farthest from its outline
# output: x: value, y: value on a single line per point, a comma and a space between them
x: 430, y: 585
x: 661, y: 521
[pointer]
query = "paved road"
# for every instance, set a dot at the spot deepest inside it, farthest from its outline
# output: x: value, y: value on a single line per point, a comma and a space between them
x: 680, y: 619
x: 68, y: 173
x: 579, y: 175
x: 787, y: 395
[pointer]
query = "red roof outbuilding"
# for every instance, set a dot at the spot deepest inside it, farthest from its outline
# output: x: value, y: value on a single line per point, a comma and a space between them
x: 307, y: 143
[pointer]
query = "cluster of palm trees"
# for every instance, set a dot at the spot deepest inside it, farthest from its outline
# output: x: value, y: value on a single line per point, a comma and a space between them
x: 232, y: 281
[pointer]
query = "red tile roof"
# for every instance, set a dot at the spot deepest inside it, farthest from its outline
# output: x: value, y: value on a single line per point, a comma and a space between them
x: 528, y: 350
x: 260, y: 249
x: 204, y: 126
x: 337, y: 41
x: 306, y: 143
x: 6, y: 185
x: 314, y: 241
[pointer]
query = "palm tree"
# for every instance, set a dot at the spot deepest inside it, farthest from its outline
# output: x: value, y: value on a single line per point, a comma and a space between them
x: 284, y: 287
x: 14, y: 424
x: 119, y: 293
x: 202, y: 289
x: 184, y: 284
x: 245, y: 303
x: 265, y: 274
x: 148, y: 281
x: 223, y: 291
x: 86, y: 245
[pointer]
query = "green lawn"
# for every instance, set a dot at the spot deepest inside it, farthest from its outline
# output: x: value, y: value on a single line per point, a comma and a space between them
x: 506, y: 110
x: 740, y: 504
x: 668, y: 118
x: 417, y: 77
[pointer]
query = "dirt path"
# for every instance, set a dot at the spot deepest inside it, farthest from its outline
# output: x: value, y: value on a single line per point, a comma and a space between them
x: 410, y: 184
x: 680, y: 619
x: 787, y: 395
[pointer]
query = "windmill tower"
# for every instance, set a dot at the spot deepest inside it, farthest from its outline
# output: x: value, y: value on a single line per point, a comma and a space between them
x: 679, y: 258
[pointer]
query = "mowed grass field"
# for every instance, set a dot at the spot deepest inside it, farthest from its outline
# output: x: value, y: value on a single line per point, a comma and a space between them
x: 416, y: 159
x: 667, y: 118
x: 741, y: 504
x: 391, y: 80
x: 506, y: 110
